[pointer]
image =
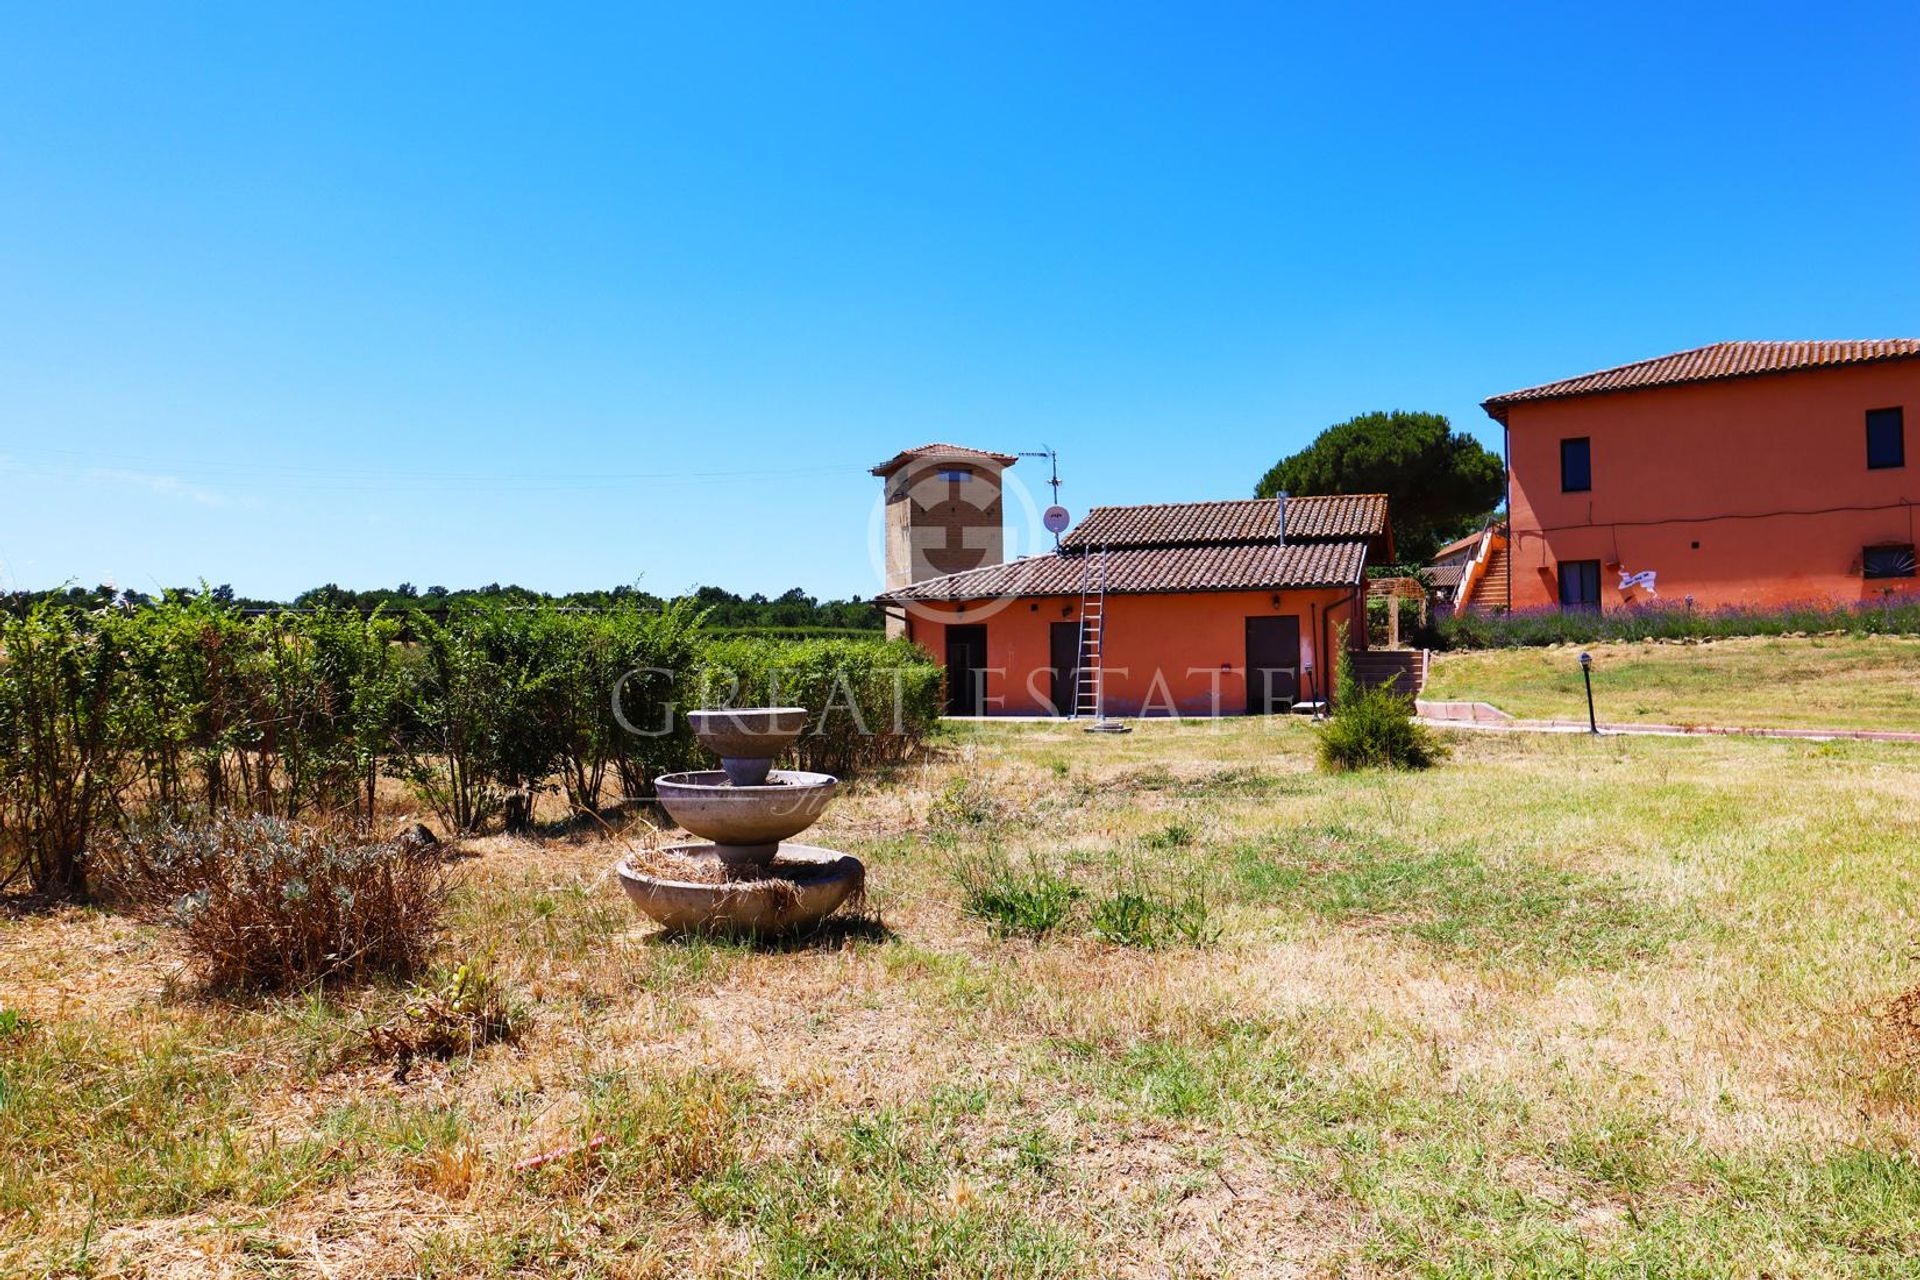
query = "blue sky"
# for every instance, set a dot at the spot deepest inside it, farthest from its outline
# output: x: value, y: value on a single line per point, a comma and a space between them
x: 455, y: 294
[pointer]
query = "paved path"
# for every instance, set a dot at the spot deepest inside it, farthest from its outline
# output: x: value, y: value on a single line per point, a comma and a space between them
x: 1487, y: 725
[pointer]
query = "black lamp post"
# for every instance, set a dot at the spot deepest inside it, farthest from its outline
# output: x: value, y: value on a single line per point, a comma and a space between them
x: 1586, y: 672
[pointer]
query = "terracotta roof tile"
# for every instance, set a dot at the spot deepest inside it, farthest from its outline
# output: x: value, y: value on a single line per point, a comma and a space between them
x: 1710, y: 363
x: 955, y: 451
x: 1262, y: 566
x: 1446, y: 575
x: 1168, y: 524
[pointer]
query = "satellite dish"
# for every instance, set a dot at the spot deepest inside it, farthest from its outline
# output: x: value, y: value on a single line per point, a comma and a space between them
x: 1056, y: 519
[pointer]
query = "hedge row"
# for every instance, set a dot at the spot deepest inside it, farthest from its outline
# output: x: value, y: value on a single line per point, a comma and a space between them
x: 1533, y: 627
x: 188, y: 708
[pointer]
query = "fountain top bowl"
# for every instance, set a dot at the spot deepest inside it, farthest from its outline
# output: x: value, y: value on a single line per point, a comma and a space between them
x: 748, y: 733
x: 709, y: 805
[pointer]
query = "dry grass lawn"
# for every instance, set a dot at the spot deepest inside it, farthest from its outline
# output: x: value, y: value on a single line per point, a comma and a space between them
x: 1559, y: 1007
x: 1818, y: 682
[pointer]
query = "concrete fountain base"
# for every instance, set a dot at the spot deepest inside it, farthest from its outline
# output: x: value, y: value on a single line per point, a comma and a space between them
x: 802, y: 887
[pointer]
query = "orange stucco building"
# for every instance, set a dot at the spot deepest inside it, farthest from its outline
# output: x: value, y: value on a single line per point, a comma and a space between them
x: 1204, y: 608
x: 1744, y: 473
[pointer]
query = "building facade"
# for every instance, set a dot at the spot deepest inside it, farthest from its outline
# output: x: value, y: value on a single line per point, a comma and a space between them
x: 1744, y: 473
x: 1207, y: 608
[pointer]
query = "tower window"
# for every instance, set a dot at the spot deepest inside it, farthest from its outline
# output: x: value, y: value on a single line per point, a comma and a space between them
x: 956, y: 474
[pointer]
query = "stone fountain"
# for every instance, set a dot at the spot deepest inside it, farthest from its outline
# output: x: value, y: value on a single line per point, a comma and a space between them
x: 744, y: 878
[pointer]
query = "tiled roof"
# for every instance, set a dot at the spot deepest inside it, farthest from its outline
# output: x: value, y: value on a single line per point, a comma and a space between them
x: 1168, y: 524
x: 1469, y: 543
x: 958, y: 452
x: 1710, y: 363
x: 1454, y: 548
x: 1446, y: 575
x: 1265, y: 566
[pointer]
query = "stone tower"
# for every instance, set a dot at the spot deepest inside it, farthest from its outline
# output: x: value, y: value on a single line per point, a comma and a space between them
x: 943, y: 513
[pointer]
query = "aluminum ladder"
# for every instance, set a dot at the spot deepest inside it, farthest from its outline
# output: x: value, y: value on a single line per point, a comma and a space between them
x: 1088, y: 685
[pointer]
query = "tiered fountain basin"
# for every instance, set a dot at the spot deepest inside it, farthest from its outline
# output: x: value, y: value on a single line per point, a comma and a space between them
x: 743, y: 878
x: 746, y: 824
x: 799, y: 889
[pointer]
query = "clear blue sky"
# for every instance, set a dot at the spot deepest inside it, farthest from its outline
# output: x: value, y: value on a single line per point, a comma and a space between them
x: 452, y: 294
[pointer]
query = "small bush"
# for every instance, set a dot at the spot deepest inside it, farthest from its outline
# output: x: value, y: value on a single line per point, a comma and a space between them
x: 1374, y: 728
x: 267, y: 904
x: 1032, y: 902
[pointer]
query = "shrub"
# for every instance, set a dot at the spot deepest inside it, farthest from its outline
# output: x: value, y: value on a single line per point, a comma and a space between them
x: 651, y: 660
x: 1373, y: 728
x: 61, y: 772
x: 285, y: 714
x: 872, y: 701
x: 455, y: 1015
x: 1669, y: 621
x: 268, y: 904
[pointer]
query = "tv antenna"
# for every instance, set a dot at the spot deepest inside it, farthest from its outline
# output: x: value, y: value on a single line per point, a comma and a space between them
x: 1052, y: 455
x: 1056, y: 515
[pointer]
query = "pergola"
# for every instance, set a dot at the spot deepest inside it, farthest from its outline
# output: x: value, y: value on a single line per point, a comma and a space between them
x: 1396, y: 590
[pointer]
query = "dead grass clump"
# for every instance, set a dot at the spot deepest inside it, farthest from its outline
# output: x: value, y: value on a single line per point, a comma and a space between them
x: 654, y: 1132
x: 447, y: 1020
x: 966, y: 802
x: 1900, y: 1028
x: 266, y: 904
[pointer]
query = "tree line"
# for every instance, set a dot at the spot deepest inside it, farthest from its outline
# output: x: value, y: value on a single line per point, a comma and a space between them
x: 793, y: 611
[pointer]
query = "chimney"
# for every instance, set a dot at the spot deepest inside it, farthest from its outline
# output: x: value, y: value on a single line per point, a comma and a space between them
x: 1280, y: 515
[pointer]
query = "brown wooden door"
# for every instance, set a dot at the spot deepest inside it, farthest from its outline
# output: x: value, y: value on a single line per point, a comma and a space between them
x: 1063, y: 655
x: 1273, y: 664
x: 966, y: 670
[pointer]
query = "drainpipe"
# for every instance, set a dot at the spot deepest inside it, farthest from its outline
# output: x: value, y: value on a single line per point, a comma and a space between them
x: 1506, y: 450
x: 1319, y: 656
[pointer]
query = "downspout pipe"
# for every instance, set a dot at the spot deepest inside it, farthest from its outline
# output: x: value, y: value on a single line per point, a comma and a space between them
x: 1506, y: 450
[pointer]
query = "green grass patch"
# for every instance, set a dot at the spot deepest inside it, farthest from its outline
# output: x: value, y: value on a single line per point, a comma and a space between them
x: 1450, y: 897
x: 1821, y: 682
x: 1031, y: 900
x: 892, y: 1196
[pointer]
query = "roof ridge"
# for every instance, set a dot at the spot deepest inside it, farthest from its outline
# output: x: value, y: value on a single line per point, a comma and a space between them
x: 1713, y: 362
x: 1220, y: 502
x: 1153, y: 571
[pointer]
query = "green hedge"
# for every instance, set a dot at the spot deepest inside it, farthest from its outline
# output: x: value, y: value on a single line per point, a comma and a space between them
x: 1534, y: 627
x: 188, y: 708
x: 871, y: 701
